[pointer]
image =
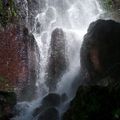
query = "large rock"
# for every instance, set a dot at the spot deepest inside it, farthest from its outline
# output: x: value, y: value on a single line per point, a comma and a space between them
x: 18, y: 61
x: 99, y: 97
x: 49, y: 105
x: 99, y: 51
x: 57, y: 60
x: 49, y: 114
x: 51, y: 99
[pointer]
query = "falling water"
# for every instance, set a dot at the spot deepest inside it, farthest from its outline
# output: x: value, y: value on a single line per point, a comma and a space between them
x: 73, y: 17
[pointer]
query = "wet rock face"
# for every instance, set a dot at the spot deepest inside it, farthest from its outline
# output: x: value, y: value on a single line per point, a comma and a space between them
x: 22, y: 10
x: 57, y: 60
x: 27, y: 10
x: 100, y: 50
x: 7, y: 102
x: 18, y: 61
x: 33, y: 10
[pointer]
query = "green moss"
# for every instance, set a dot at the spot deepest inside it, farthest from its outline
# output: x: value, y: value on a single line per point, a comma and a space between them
x: 7, y: 12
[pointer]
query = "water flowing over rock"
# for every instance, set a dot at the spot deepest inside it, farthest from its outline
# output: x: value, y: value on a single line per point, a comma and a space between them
x: 100, y: 58
x: 18, y: 61
x: 49, y: 107
x: 57, y: 63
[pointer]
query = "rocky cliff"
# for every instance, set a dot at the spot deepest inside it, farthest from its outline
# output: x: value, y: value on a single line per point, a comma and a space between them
x: 19, y: 56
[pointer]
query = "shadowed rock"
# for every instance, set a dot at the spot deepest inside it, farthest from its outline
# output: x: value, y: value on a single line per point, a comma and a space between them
x: 99, y: 98
x: 49, y: 114
x: 57, y: 60
x: 50, y: 102
x: 51, y: 99
x: 99, y: 52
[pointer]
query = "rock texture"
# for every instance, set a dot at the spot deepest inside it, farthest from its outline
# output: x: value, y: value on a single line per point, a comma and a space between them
x: 94, y: 103
x: 49, y: 107
x: 27, y: 11
x: 57, y: 60
x: 98, y: 98
x: 100, y: 50
x: 18, y: 61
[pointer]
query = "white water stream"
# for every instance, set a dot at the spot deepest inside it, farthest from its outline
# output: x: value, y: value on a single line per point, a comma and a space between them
x: 74, y: 17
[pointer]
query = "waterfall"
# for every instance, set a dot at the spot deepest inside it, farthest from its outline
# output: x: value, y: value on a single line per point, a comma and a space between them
x: 73, y: 18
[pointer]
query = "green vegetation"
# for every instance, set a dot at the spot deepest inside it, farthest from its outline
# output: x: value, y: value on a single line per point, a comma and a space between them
x: 7, y: 12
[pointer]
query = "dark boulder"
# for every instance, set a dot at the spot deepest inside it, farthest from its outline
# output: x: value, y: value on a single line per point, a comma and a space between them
x: 7, y: 102
x: 51, y: 99
x: 100, y: 54
x: 49, y: 114
x: 57, y: 59
x: 27, y: 10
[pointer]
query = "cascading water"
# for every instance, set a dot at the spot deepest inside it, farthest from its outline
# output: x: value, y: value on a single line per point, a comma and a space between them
x: 73, y: 17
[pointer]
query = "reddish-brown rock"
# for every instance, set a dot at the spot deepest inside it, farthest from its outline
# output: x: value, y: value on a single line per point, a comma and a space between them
x: 18, y: 61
